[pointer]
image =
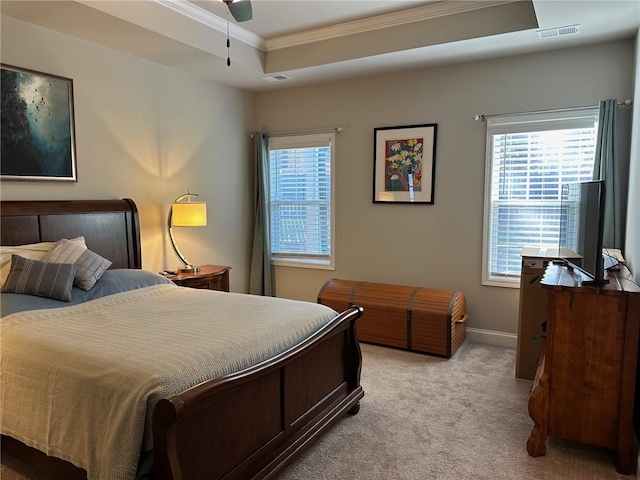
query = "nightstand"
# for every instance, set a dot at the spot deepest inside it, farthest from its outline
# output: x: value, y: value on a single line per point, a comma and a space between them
x: 209, y: 277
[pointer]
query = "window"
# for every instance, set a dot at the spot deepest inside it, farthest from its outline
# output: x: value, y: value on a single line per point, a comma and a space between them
x: 529, y: 157
x: 301, y: 200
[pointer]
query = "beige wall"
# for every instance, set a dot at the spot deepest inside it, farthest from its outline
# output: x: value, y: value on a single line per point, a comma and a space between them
x: 632, y: 241
x: 436, y: 245
x: 149, y: 132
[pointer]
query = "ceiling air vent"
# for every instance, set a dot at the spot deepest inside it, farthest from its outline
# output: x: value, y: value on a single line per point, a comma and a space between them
x: 276, y: 78
x: 558, y: 32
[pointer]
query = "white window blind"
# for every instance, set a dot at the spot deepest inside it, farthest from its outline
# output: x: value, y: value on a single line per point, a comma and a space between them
x: 301, y: 199
x: 529, y: 157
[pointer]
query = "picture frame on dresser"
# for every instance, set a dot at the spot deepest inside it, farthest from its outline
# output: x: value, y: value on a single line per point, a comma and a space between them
x: 38, y: 127
x: 404, y: 164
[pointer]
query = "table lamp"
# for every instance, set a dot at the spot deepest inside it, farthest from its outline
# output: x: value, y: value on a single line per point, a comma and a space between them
x: 186, y: 214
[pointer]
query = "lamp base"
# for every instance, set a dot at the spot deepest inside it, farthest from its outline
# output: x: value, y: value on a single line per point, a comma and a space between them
x: 189, y: 269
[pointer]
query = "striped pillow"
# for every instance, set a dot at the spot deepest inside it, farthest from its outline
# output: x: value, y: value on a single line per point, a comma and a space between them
x: 91, y: 266
x: 34, y: 251
x: 33, y: 277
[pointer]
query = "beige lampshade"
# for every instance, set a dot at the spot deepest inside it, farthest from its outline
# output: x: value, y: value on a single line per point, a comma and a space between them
x: 189, y: 214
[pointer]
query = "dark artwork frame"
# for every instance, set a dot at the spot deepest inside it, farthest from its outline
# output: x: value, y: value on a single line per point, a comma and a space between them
x: 404, y: 163
x: 38, y: 128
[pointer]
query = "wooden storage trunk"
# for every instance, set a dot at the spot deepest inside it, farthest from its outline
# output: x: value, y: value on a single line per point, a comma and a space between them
x: 419, y: 319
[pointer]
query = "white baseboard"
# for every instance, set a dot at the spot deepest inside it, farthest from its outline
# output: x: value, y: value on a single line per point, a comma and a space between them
x: 491, y: 337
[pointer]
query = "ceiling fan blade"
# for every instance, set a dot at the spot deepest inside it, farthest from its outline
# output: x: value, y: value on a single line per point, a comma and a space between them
x: 241, y: 10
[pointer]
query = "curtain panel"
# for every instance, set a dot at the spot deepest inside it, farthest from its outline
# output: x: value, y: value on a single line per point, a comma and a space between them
x: 612, y: 166
x: 261, y: 280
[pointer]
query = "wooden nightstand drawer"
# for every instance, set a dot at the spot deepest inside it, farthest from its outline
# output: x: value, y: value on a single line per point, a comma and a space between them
x: 204, y: 284
x: 209, y: 277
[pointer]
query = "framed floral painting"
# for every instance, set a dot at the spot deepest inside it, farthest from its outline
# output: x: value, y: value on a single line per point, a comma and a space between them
x: 404, y: 164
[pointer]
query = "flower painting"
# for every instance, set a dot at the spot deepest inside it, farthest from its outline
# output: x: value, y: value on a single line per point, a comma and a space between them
x: 404, y: 164
x: 37, y: 126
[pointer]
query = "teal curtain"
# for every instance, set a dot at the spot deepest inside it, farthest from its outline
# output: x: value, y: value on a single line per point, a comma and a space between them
x: 612, y: 166
x: 261, y: 280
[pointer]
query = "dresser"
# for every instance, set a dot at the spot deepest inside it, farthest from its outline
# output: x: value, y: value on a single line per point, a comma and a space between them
x: 584, y: 386
x: 208, y: 277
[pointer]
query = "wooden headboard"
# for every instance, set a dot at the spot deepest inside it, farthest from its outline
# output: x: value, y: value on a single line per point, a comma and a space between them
x: 110, y: 227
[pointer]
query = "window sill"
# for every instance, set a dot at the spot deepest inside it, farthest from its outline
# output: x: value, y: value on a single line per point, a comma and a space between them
x: 502, y: 282
x: 304, y: 263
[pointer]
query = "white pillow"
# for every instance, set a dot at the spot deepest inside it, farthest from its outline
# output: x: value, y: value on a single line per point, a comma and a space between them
x: 32, y: 251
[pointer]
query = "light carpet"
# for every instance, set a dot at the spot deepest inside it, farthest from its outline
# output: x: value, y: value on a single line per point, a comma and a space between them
x: 424, y: 417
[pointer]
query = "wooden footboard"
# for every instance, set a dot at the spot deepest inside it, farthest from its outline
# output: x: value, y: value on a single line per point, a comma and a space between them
x: 252, y: 423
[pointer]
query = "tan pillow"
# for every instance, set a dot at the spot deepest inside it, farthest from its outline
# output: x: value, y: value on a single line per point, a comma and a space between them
x: 32, y: 251
x: 91, y: 266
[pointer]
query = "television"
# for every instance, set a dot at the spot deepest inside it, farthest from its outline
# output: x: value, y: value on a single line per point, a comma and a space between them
x: 582, y: 228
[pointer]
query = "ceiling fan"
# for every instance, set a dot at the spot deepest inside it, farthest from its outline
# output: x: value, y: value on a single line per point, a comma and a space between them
x: 241, y: 11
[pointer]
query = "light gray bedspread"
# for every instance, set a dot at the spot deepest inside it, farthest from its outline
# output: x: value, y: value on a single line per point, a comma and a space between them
x: 80, y: 382
x: 112, y: 281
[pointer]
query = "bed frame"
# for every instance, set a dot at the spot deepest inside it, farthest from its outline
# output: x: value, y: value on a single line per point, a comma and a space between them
x: 249, y: 424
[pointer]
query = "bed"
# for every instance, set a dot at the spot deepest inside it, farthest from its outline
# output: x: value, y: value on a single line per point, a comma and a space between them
x: 248, y: 422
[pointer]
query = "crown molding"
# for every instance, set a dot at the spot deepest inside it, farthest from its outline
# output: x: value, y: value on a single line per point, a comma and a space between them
x: 198, y: 14
x: 416, y: 14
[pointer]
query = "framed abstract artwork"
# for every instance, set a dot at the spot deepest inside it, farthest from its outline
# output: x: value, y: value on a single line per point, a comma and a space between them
x: 38, y: 132
x: 404, y: 164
